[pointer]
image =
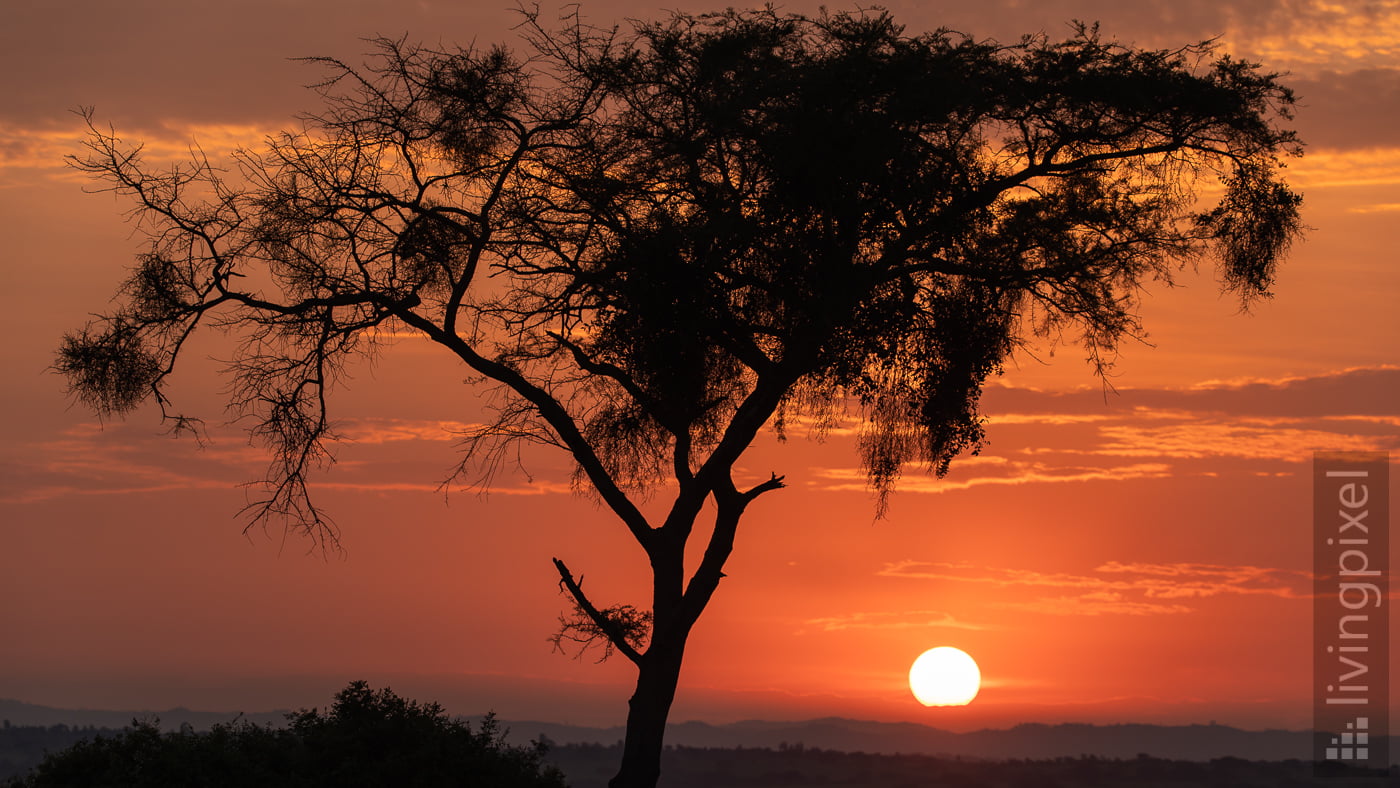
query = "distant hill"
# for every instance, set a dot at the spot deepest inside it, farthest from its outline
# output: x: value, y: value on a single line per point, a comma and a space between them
x: 1032, y: 740
x: 19, y: 713
x: 1035, y: 741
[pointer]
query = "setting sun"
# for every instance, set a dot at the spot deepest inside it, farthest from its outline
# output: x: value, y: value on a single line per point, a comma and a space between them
x: 945, y: 676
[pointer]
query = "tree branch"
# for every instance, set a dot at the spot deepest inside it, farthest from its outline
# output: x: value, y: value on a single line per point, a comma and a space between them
x: 554, y: 414
x: 608, y: 627
x: 774, y: 483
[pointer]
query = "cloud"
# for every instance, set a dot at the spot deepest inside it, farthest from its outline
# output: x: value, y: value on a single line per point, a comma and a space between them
x: 1344, y: 392
x: 1392, y: 421
x: 1344, y: 110
x: 1197, y: 440
x: 1387, y: 207
x: 1246, y: 426
x: 1348, y: 373
x: 1284, y: 419
x: 46, y: 148
x: 531, y: 488
x: 1114, y: 587
x: 1323, y: 33
x: 1297, y: 36
x: 1368, y: 166
x: 1019, y: 472
x: 1197, y: 579
x: 387, y: 430
x: 90, y: 459
x: 1096, y: 604
x: 1050, y: 418
x: 908, y: 619
x: 39, y: 494
x: 162, y: 70
x: 206, y: 61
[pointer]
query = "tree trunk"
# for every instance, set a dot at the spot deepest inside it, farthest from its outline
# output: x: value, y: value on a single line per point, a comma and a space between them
x: 675, y: 612
x: 657, y: 676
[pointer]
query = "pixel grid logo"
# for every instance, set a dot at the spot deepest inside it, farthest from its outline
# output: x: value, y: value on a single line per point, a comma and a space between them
x: 1353, y: 743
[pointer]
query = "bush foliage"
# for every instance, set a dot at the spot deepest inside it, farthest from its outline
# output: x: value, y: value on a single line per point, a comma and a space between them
x: 366, y: 738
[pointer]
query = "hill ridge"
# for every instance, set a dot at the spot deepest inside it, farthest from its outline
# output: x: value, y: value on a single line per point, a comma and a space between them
x: 1028, y: 740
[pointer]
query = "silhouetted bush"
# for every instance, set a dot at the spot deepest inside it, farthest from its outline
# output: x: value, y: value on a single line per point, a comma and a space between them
x: 366, y: 738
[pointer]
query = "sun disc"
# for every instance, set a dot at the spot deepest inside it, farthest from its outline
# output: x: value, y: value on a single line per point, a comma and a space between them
x: 945, y: 676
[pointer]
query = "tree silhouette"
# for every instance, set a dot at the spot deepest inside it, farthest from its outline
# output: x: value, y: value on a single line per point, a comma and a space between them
x: 367, y: 737
x: 655, y: 241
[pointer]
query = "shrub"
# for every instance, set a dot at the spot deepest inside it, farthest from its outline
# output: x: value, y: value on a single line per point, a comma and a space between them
x: 366, y: 738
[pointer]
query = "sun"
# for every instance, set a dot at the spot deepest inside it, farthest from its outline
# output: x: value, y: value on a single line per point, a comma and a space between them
x: 945, y: 676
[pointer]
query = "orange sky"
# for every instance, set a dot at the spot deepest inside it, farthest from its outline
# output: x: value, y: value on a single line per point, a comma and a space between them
x: 1133, y: 557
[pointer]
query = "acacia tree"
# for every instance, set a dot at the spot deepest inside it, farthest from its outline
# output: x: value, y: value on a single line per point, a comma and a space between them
x: 655, y: 241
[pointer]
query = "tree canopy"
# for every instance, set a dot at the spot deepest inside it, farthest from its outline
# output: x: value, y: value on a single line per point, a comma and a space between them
x: 710, y: 211
x: 655, y: 241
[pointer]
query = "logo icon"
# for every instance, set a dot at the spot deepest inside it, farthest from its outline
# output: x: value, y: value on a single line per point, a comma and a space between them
x: 1353, y: 743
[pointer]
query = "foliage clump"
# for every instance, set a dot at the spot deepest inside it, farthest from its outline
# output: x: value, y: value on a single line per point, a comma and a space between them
x: 366, y: 738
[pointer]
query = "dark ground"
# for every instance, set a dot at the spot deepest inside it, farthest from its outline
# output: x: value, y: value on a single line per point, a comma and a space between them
x: 696, y: 767
x: 590, y: 766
